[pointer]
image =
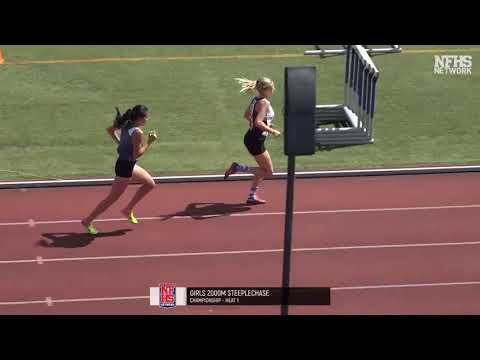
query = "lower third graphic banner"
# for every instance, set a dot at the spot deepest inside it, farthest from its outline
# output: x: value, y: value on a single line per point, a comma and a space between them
x: 171, y: 296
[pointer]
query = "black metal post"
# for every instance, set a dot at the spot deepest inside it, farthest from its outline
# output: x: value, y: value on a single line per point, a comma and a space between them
x: 287, y: 249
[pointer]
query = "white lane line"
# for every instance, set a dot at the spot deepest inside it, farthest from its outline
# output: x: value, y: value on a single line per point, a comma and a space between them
x: 17, y: 261
x: 277, y: 213
x: 5, y: 303
x: 342, y: 211
x: 49, y: 300
x: 39, y: 260
x: 102, y: 299
x: 372, y: 287
x: 241, y: 252
x: 14, y: 223
x: 146, y: 256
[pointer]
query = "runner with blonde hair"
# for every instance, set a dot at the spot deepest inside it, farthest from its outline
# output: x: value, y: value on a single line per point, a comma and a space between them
x: 259, y: 115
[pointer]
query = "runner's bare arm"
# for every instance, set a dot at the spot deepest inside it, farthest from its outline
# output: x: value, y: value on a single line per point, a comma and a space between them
x: 248, y: 113
x: 139, y: 148
x: 113, y: 134
x: 248, y: 116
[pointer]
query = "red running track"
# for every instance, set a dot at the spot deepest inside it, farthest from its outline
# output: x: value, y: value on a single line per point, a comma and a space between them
x: 385, y: 245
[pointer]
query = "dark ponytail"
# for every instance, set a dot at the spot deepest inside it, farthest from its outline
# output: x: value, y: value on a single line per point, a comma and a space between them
x: 121, y: 119
x: 130, y: 115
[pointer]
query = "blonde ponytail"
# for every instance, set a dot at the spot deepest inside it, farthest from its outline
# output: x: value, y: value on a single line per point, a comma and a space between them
x: 259, y: 85
x: 248, y: 86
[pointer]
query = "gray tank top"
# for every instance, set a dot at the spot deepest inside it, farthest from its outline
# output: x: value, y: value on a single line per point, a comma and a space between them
x: 125, y: 148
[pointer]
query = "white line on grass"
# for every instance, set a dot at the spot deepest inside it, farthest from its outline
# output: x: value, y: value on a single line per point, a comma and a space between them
x: 210, y: 57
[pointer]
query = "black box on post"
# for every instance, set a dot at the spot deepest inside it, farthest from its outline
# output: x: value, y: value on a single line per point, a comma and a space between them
x: 299, y: 110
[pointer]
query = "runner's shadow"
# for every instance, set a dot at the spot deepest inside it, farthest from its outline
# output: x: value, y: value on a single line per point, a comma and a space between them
x: 204, y: 211
x: 75, y: 240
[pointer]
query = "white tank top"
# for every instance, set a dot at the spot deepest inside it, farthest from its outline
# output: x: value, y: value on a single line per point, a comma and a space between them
x: 269, y: 117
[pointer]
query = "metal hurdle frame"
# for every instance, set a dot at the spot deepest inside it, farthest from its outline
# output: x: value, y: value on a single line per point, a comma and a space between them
x: 352, y: 120
x: 393, y: 49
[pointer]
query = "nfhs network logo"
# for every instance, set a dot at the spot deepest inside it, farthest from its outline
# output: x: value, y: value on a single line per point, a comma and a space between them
x: 168, y: 296
x: 453, y: 65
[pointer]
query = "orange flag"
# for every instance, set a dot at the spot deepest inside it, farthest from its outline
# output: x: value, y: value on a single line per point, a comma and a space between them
x: 2, y: 59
